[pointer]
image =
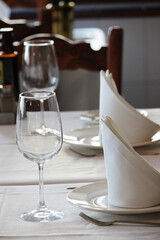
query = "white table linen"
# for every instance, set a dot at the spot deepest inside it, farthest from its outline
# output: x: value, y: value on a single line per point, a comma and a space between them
x: 134, y: 125
x: 132, y: 183
x: 70, y: 227
x: 69, y: 168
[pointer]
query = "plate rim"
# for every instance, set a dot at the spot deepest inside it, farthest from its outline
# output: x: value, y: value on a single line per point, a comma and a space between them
x: 74, y: 143
x: 91, y: 207
x: 85, y: 145
x: 85, y: 116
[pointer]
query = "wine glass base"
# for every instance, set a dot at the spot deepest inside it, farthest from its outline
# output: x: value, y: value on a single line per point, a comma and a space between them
x: 44, y: 215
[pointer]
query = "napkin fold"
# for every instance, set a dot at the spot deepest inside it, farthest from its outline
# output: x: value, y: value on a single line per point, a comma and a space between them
x: 136, y: 127
x: 132, y: 182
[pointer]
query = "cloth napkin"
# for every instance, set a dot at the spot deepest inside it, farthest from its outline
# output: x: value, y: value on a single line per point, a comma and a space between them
x: 132, y: 182
x: 136, y: 127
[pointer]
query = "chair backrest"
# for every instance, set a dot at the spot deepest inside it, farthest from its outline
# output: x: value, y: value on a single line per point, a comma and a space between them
x: 74, y: 55
x: 79, y: 54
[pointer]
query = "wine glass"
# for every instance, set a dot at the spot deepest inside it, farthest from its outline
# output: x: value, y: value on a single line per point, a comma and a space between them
x: 33, y: 106
x: 40, y: 69
x: 39, y: 65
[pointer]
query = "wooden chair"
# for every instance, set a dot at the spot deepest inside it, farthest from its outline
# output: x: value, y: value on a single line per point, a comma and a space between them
x: 73, y: 55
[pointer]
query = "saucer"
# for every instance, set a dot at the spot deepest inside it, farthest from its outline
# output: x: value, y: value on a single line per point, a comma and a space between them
x: 94, y: 197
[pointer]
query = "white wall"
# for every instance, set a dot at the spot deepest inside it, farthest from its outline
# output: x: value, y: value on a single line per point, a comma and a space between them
x: 141, y: 57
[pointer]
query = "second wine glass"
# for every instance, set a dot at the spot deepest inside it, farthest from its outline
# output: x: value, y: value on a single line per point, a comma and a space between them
x: 39, y: 65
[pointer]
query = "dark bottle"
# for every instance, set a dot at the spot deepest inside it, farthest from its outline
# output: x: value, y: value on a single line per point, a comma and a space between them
x: 62, y: 17
x: 67, y: 10
x: 56, y: 16
x: 8, y: 62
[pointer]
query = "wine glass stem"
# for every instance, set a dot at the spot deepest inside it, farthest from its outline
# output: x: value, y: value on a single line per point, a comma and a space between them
x: 42, y: 112
x: 42, y: 204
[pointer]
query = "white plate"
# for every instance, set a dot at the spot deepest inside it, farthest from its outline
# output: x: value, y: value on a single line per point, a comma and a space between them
x: 93, y: 116
x: 94, y: 197
x: 84, y: 137
x: 88, y: 138
x: 155, y: 138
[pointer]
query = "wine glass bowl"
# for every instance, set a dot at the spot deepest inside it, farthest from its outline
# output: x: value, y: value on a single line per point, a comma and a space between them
x: 35, y: 108
x: 39, y: 65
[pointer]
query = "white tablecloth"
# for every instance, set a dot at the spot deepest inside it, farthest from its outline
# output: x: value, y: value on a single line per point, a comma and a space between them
x: 68, y: 168
x: 70, y: 227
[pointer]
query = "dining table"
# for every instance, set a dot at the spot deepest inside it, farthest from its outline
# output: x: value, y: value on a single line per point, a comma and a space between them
x: 66, y: 172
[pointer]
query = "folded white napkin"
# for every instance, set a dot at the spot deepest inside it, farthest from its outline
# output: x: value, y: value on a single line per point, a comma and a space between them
x: 132, y: 182
x: 136, y: 127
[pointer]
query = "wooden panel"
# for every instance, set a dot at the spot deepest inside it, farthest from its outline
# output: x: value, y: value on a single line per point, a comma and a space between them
x: 139, y: 10
x: 114, y: 57
x: 31, y: 3
x: 114, y: 1
x: 22, y: 29
x: 21, y: 3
